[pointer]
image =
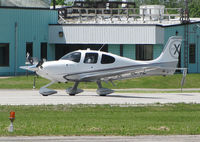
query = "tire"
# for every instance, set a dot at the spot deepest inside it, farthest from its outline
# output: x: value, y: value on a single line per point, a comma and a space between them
x: 72, y: 94
x: 103, y: 95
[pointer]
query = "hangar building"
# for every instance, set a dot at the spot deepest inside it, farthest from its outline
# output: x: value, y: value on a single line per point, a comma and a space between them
x: 136, y: 33
x: 24, y: 28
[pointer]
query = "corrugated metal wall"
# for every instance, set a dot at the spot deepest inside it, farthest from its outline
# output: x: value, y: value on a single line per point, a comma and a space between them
x: 193, y: 39
x: 114, y: 48
x: 26, y: 3
x: 106, y: 34
x: 32, y: 26
x: 157, y: 49
x: 129, y: 51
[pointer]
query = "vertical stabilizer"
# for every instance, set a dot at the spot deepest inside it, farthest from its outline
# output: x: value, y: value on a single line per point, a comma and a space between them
x: 171, y: 50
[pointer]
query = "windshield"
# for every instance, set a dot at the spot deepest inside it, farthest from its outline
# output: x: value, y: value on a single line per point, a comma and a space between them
x: 75, y: 57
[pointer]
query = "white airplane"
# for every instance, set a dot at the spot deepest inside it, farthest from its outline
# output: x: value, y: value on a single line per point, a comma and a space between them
x: 97, y: 66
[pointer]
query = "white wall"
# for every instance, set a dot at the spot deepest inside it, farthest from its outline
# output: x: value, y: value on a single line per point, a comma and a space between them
x: 106, y: 34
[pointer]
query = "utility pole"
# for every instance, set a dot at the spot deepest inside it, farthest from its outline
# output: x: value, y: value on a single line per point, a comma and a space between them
x: 15, y: 66
x: 54, y: 4
x: 186, y: 21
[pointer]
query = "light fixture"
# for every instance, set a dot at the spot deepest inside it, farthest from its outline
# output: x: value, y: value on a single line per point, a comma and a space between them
x: 12, y: 118
x: 60, y: 34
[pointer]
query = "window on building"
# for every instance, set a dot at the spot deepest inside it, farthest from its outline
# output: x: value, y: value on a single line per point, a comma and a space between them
x: 4, y: 54
x: 43, y: 51
x: 144, y: 52
x: 192, y: 51
x: 121, y: 49
x: 106, y: 59
x: 29, y: 48
x: 91, y: 58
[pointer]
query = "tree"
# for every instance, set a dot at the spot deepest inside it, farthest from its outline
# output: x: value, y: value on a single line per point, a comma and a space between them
x: 194, y: 8
x: 58, y: 2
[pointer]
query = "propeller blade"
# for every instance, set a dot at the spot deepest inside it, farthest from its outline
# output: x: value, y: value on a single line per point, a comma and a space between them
x: 40, y: 63
x: 31, y: 60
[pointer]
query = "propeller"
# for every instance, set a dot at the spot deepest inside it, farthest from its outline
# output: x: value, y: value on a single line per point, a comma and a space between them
x: 40, y: 64
x: 31, y: 60
x: 34, y: 66
x: 34, y: 61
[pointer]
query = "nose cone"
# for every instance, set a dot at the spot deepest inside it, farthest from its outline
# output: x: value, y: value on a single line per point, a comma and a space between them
x: 54, y: 67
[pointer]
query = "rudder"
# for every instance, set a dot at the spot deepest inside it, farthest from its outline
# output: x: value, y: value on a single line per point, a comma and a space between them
x: 171, y: 50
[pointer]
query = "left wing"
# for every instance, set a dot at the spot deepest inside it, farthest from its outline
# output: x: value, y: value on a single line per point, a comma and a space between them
x: 119, y: 74
x: 134, y: 73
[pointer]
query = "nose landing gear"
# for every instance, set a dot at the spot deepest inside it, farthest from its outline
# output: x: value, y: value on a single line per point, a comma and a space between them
x: 46, y: 91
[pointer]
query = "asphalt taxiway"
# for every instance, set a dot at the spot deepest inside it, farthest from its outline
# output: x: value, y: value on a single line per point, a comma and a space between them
x: 175, y: 138
x: 32, y: 97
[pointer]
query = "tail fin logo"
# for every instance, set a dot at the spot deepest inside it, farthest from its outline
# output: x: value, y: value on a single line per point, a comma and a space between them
x: 174, y: 50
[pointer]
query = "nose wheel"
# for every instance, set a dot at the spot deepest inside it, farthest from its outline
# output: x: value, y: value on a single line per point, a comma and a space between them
x: 44, y: 91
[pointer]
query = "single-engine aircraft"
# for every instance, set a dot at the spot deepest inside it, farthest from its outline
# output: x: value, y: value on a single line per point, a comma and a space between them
x: 97, y: 66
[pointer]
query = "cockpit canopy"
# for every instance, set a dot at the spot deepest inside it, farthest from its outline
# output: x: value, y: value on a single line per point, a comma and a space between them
x: 90, y: 58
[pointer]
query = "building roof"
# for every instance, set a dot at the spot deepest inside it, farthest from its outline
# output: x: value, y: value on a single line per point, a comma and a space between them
x: 129, y: 21
x: 26, y: 3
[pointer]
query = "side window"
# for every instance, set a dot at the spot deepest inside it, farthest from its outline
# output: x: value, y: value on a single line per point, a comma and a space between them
x: 106, y: 59
x: 91, y: 58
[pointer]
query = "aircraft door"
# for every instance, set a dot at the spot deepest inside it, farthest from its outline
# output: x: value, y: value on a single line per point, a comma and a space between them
x: 90, y: 61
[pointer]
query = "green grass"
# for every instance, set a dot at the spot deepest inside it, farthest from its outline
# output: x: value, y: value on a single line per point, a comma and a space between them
x: 23, y: 82
x: 102, y: 120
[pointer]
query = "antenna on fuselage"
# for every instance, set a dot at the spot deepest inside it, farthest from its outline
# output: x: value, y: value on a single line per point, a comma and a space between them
x: 101, y: 47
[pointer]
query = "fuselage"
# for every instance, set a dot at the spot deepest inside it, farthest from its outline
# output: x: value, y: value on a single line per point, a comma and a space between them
x: 72, y: 69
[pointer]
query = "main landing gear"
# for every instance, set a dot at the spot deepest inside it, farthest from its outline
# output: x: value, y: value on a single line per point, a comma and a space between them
x: 103, y: 91
x: 72, y: 91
